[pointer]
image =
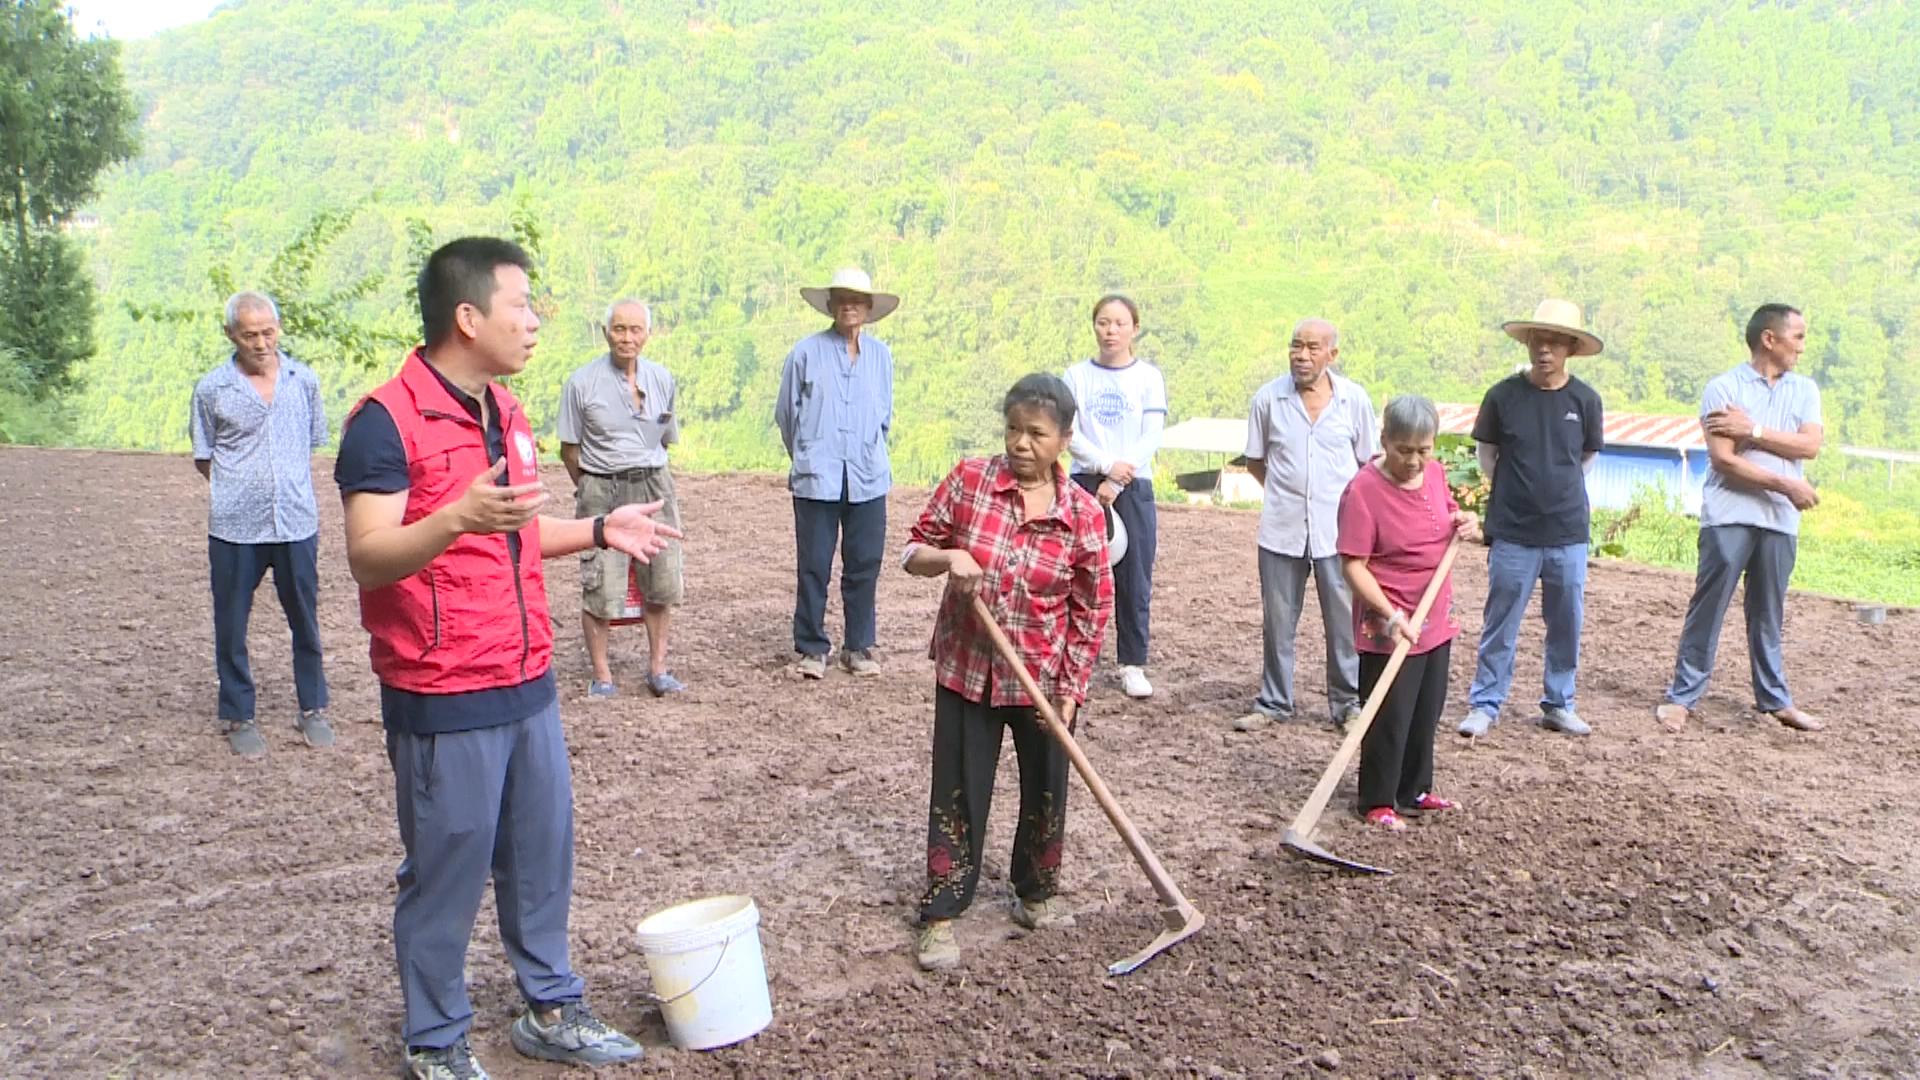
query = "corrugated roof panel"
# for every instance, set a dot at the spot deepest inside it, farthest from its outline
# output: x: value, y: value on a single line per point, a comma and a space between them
x: 1623, y: 429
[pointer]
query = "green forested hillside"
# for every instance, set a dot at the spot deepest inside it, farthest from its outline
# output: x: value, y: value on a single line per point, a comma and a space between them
x: 1414, y: 170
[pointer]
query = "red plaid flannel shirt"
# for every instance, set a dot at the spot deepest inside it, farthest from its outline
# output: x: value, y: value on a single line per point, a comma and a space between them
x: 1046, y: 580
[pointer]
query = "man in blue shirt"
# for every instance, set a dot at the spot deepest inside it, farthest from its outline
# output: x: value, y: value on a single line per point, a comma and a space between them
x: 255, y: 423
x: 834, y: 411
x: 1762, y: 422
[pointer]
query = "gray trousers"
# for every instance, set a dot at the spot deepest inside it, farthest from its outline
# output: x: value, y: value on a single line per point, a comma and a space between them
x: 1283, y: 589
x: 1727, y: 552
x: 496, y: 801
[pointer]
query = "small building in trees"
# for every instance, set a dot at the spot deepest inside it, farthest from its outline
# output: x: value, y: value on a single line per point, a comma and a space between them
x: 1643, y: 452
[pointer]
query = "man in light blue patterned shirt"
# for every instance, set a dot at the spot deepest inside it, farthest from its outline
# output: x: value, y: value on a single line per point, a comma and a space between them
x: 834, y: 411
x: 256, y: 421
x: 1762, y: 422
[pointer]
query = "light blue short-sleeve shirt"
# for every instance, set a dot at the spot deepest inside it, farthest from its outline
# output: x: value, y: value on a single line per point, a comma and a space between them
x: 834, y: 414
x: 260, y: 453
x: 1785, y: 404
x: 1309, y: 462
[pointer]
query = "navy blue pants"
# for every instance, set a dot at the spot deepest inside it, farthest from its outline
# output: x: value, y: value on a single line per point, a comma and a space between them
x: 237, y: 570
x: 497, y: 801
x: 1133, y: 576
x: 860, y: 531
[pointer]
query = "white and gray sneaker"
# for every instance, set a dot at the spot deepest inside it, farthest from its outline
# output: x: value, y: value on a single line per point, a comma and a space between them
x: 1564, y: 721
x: 575, y: 1037
x: 1476, y: 723
x: 1133, y: 680
x: 454, y: 1062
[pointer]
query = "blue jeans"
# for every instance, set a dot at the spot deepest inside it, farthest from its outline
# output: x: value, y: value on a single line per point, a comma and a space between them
x: 236, y: 571
x: 1728, y: 552
x: 1511, y: 571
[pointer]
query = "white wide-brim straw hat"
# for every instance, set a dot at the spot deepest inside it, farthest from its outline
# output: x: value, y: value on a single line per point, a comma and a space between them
x: 1116, y: 538
x: 1560, y: 317
x: 851, y: 279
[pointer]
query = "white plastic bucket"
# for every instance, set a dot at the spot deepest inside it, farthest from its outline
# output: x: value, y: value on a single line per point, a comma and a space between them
x: 709, y: 975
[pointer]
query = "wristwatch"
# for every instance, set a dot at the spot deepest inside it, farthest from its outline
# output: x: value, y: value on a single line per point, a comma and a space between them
x: 1757, y: 430
x: 600, y: 532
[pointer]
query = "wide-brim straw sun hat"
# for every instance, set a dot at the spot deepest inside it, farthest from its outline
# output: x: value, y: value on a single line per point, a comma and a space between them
x: 851, y: 279
x: 1560, y: 317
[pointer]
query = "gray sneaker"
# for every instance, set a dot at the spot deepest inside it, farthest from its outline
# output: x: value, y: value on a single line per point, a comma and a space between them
x: 314, y: 728
x: 455, y: 1062
x: 245, y: 738
x: 575, y: 1037
x: 860, y: 662
x: 1476, y: 723
x: 1564, y: 721
x: 1348, y: 717
x: 811, y: 667
x: 598, y: 690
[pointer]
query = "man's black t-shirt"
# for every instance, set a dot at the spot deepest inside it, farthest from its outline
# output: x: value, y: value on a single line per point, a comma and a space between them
x: 373, y: 459
x: 1539, y: 490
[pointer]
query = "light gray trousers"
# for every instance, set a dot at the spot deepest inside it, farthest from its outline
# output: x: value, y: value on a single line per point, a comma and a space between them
x: 495, y: 802
x: 1283, y: 590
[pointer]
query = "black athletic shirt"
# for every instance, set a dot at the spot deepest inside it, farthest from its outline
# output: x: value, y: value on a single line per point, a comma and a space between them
x: 1539, y: 490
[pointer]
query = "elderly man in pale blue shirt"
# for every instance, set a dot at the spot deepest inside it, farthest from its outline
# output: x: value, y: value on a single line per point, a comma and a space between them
x: 1308, y: 432
x: 834, y: 411
x: 255, y: 423
x: 1762, y: 421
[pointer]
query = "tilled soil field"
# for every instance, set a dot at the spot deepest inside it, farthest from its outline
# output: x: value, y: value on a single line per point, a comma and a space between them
x: 1736, y: 900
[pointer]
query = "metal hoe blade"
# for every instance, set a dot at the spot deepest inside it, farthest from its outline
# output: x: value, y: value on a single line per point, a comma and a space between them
x: 1182, y: 923
x: 1307, y: 849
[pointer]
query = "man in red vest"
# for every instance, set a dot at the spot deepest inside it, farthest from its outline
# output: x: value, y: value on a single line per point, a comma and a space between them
x: 445, y: 538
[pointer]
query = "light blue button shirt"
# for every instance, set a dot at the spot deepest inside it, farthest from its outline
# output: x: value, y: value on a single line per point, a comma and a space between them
x: 1309, y: 462
x: 834, y: 415
x: 1782, y: 405
x: 261, y: 454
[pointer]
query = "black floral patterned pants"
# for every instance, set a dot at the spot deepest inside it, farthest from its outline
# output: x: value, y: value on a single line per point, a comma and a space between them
x: 966, y: 754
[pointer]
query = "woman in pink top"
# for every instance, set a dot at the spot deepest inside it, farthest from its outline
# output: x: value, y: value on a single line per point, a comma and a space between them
x: 1396, y: 519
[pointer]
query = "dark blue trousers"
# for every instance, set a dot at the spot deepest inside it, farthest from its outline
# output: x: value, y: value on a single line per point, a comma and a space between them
x: 1133, y: 577
x: 860, y: 531
x: 495, y: 802
x: 237, y: 570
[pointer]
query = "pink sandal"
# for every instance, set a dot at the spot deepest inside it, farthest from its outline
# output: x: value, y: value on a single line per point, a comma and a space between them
x: 1384, y: 817
x: 1428, y: 802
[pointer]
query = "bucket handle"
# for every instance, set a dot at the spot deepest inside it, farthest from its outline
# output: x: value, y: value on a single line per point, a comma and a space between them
x: 653, y: 999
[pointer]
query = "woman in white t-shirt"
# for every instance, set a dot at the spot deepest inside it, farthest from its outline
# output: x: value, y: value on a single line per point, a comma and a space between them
x: 1123, y: 408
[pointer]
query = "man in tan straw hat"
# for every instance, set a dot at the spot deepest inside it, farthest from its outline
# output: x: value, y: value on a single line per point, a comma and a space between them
x: 1538, y: 433
x: 834, y: 411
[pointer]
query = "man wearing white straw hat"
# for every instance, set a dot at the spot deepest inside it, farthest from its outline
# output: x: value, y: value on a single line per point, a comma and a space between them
x: 834, y: 412
x: 1538, y: 433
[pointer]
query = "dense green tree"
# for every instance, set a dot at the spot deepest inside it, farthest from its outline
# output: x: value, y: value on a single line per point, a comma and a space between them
x: 65, y: 116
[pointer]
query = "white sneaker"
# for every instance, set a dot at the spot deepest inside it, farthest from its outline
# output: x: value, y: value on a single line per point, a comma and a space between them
x: 1134, y: 681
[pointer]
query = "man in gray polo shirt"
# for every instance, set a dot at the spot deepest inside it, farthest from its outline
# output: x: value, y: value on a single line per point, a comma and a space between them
x: 1762, y: 421
x: 255, y: 423
x: 1308, y: 432
x: 616, y: 421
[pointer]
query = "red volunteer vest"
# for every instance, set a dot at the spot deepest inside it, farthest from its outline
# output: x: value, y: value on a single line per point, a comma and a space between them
x: 471, y: 619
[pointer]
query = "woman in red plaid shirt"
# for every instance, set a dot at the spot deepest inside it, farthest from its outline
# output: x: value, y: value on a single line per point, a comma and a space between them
x: 1014, y: 530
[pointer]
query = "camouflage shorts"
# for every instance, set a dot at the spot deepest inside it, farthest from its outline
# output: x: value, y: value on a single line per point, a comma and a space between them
x: 603, y: 574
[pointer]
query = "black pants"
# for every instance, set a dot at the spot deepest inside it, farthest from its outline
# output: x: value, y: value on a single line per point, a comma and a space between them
x: 1396, y: 757
x: 1133, y: 577
x: 966, y: 753
x: 860, y: 529
x: 237, y: 570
